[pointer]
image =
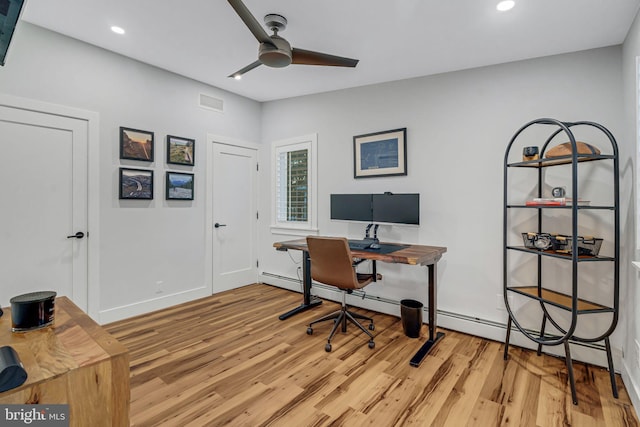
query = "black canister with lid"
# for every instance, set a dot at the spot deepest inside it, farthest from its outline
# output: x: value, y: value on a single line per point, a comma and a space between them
x: 31, y: 311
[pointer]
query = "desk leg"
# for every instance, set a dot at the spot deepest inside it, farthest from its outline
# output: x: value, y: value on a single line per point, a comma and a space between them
x: 434, y: 335
x: 308, y: 301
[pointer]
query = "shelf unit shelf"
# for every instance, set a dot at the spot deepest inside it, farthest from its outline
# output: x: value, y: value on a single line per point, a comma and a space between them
x: 546, y: 292
x: 559, y: 161
x: 579, y: 207
x: 559, y: 299
x: 561, y: 255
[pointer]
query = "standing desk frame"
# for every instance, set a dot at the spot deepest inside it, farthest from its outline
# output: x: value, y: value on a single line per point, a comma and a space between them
x: 409, y: 254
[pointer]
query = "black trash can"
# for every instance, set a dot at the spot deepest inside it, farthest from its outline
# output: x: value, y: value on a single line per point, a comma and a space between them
x: 411, y: 315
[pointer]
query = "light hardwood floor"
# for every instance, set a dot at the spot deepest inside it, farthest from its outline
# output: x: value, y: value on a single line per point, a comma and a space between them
x: 228, y: 360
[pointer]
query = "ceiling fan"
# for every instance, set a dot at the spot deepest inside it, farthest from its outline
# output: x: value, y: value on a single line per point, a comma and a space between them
x: 274, y: 51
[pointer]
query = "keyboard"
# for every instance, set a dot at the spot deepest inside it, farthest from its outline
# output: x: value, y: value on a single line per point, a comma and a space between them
x: 359, y: 244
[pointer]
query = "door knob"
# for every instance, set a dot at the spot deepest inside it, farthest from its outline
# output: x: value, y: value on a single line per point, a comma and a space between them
x: 78, y: 235
x: 218, y: 225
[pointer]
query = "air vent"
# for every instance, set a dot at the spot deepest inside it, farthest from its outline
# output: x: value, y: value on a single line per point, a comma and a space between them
x: 211, y: 103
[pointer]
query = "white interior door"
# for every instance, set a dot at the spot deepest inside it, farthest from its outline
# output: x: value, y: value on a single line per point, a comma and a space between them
x: 235, y: 213
x: 43, y: 171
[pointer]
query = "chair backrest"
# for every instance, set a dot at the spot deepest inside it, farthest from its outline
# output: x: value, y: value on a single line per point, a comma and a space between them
x: 332, y: 263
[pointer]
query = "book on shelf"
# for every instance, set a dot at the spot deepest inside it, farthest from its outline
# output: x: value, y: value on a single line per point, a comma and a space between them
x: 555, y: 201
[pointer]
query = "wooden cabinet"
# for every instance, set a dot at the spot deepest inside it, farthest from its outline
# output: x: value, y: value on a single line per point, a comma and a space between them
x: 559, y: 297
x: 74, y: 362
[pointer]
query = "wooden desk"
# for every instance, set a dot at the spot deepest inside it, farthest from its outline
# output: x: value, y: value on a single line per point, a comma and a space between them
x: 74, y: 362
x: 411, y: 254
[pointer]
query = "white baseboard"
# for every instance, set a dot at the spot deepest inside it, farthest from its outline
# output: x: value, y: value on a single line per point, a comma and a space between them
x: 633, y: 388
x: 142, y: 307
x: 488, y: 329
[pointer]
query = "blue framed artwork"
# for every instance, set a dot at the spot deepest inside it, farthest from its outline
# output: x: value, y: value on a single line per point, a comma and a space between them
x: 380, y: 154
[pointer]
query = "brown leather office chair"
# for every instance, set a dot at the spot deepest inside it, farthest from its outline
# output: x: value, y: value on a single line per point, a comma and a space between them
x: 332, y: 264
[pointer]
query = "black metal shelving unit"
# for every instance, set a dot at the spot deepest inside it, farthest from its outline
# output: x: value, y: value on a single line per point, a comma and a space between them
x: 544, y: 293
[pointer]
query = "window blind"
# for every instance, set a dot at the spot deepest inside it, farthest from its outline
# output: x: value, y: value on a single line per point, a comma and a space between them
x: 292, y: 185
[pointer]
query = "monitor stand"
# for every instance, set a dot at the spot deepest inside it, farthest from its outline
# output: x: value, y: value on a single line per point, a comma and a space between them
x: 375, y: 243
x: 375, y: 233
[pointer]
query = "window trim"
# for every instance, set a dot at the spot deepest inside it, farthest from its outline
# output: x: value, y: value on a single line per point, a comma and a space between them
x: 310, y: 226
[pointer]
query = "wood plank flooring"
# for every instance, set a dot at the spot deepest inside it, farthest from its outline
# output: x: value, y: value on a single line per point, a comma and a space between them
x: 228, y: 360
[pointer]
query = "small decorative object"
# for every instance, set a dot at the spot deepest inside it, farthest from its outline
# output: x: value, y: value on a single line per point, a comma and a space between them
x: 566, y: 149
x: 136, y: 144
x: 180, y: 151
x: 136, y: 184
x: 380, y: 154
x: 558, y: 192
x: 530, y: 153
x: 31, y: 311
x: 179, y: 186
x: 12, y: 373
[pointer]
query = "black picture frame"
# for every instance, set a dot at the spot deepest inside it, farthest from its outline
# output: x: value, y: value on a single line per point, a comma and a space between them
x: 179, y: 186
x: 136, y: 144
x: 380, y: 154
x: 136, y: 184
x: 181, y: 151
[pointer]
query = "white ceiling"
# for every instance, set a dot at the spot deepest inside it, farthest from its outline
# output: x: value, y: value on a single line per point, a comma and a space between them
x: 393, y: 39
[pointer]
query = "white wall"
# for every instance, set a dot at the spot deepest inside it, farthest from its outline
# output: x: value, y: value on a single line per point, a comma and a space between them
x: 631, y: 368
x: 458, y: 126
x: 141, y: 242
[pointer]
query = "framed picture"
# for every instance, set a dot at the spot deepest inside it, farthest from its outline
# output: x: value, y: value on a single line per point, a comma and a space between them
x: 179, y: 186
x: 180, y: 151
x: 380, y: 154
x: 136, y: 144
x: 136, y: 184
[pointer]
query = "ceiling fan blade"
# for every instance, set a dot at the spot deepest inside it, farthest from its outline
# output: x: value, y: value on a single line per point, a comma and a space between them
x: 251, y: 22
x: 246, y: 69
x: 309, y: 57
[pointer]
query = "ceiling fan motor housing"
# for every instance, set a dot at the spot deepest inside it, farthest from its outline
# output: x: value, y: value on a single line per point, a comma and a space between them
x: 277, y: 55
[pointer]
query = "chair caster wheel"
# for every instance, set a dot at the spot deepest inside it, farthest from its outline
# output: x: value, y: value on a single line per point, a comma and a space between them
x: 371, y: 344
x: 327, y: 348
x: 371, y: 327
x: 309, y: 331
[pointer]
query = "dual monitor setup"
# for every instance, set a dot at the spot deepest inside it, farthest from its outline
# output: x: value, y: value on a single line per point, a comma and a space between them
x: 386, y: 208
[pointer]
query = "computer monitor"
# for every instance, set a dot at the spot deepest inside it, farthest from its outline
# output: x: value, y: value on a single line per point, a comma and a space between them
x: 396, y: 208
x: 351, y: 207
x: 377, y: 208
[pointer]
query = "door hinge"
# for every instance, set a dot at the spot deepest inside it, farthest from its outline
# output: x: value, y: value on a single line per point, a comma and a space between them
x: 257, y: 263
x: 257, y: 167
x: 257, y: 215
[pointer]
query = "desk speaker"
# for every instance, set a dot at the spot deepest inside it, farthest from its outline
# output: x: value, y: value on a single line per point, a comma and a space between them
x: 32, y: 311
x: 12, y: 373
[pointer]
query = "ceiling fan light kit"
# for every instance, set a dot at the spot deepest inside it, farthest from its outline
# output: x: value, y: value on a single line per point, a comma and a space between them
x: 274, y: 51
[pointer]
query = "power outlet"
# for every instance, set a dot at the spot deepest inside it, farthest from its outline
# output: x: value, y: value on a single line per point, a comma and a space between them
x: 500, y: 302
x: 159, y: 286
x: 637, y: 354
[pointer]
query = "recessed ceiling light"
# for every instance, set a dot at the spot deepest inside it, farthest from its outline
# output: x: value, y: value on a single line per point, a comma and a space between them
x: 237, y: 77
x: 117, y: 30
x: 505, y: 5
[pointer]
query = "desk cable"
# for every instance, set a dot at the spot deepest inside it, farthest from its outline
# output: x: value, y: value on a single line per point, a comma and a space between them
x: 298, y: 270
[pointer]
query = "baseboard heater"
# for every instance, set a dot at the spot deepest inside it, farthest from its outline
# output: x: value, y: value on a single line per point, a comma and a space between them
x: 363, y: 295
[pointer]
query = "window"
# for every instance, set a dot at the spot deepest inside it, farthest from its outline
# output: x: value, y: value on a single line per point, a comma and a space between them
x: 293, y: 183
